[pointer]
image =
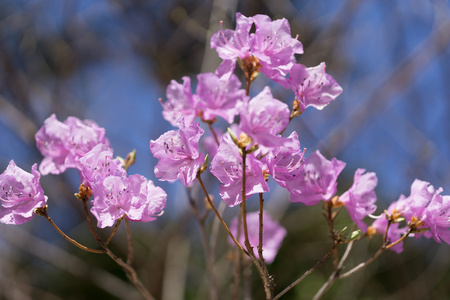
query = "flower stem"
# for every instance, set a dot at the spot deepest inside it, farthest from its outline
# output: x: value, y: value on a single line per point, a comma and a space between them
x: 315, y: 267
x: 129, y: 270
x: 209, y: 255
x: 378, y: 253
x: 335, y: 273
x: 208, y: 198
x: 262, y: 274
x: 113, y: 232
x: 130, y: 256
x: 43, y: 212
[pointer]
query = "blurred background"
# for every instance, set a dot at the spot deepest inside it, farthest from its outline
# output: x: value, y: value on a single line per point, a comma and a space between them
x: 110, y: 61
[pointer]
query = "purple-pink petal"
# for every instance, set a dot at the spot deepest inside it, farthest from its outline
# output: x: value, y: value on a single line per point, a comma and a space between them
x: 20, y: 194
x: 318, y: 181
x: 360, y: 199
x: 313, y: 86
x: 178, y: 154
x: 227, y: 167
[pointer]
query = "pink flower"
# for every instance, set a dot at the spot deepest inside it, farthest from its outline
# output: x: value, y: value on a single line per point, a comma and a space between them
x: 98, y: 164
x: 21, y: 193
x: 271, y: 44
x: 286, y: 164
x: 227, y: 167
x: 180, y: 102
x: 313, y: 86
x: 219, y: 96
x: 319, y: 180
x: 263, y: 118
x: 134, y: 197
x: 360, y: 199
x: 62, y: 144
x: 273, y: 234
x: 394, y: 232
x: 436, y: 217
x: 178, y: 153
x: 415, y: 204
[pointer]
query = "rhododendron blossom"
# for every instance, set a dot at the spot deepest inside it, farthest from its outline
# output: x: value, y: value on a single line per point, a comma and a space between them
x: 263, y: 118
x: 313, y: 86
x: 395, y: 231
x: 63, y: 143
x: 20, y: 194
x: 273, y: 234
x: 319, y: 180
x: 271, y: 45
x: 178, y: 154
x: 133, y: 197
x: 286, y: 164
x: 436, y: 217
x: 360, y: 199
x: 98, y: 164
x: 219, y: 96
x: 227, y: 167
x: 180, y: 102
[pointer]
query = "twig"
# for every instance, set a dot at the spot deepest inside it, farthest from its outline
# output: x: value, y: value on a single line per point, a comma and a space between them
x: 43, y: 212
x: 315, y: 267
x: 130, y: 256
x: 208, y: 198
x: 208, y: 251
x: 335, y: 273
x: 113, y: 232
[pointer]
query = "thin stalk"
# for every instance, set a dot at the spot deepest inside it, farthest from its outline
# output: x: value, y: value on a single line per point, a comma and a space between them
x: 213, y: 133
x: 378, y: 253
x: 315, y: 267
x: 260, y: 244
x: 131, y: 274
x: 209, y: 255
x: 70, y: 239
x: 91, y: 227
x: 130, y: 256
x: 129, y: 271
x: 208, y: 198
x: 113, y: 232
x: 330, y: 219
x: 237, y: 260
x: 335, y: 273
x: 262, y: 274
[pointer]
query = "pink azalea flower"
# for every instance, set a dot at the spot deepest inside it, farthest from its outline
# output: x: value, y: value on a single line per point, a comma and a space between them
x: 271, y: 44
x: 227, y: 167
x: 263, y: 118
x: 134, y: 197
x: 360, y: 199
x: 313, y: 86
x: 319, y: 180
x: 180, y: 102
x: 395, y: 232
x: 416, y: 203
x: 98, y: 164
x: 285, y: 165
x: 436, y: 217
x: 62, y: 144
x: 178, y: 153
x: 273, y: 234
x: 20, y: 194
x: 219, y: 96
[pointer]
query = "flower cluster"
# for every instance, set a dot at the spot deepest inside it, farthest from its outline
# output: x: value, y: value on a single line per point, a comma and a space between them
x: 426, y: 211
x: 81, y: 145
x: 253, y: 150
